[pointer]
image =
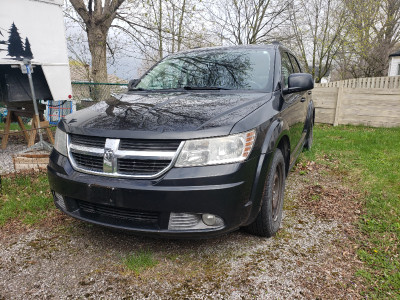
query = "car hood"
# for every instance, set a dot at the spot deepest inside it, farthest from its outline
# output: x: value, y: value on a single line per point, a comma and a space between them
x: 165, y: 115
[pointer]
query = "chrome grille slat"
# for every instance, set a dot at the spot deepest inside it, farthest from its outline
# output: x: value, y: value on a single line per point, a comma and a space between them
x: 152, y: 145
x: 147, y: 159
x: 128, y: 166
x: 89, y: 141
x: 91, y: 162
x: 183, y: 221
x: 87, y: 150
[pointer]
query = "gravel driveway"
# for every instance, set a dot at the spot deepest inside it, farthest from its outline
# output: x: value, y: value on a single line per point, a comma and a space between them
x: 312, y: 256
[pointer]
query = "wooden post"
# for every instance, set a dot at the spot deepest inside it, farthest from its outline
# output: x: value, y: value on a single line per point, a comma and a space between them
x: 35, y: 126
x: 22, y: 126
x: 338, y: 105
x: 29, y: 135
x: 32, y: 135
x: 45, y: 124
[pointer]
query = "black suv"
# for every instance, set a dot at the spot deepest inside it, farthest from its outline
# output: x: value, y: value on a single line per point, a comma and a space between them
x: 198, y: 146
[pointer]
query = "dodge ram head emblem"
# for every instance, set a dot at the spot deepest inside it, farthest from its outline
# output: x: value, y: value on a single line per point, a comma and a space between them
x: 108, y: 160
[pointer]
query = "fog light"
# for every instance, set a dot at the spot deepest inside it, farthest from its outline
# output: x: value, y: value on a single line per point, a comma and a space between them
x: 212, y: 220
x: 209, y: 219
x: 194, y: 221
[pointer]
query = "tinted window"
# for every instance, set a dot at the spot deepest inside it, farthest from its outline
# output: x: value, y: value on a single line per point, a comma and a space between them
x: 286, y: 69
x: 245, y: 69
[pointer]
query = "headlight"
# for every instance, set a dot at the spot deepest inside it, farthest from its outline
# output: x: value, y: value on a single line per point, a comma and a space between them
x: 214, y: 151
x: 60, y: 142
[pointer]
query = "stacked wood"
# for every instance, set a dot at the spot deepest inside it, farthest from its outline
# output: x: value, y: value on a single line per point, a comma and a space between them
x: 32, y: 160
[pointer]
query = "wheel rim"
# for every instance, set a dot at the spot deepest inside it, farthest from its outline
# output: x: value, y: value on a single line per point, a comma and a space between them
x: 277, y: 192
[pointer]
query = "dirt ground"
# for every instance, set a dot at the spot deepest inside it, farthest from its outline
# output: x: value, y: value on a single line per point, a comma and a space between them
x: 312, y: 256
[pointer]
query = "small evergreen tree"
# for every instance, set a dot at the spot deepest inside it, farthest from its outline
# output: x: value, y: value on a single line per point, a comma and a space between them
x: 15, y: 47
x: 28, y: 52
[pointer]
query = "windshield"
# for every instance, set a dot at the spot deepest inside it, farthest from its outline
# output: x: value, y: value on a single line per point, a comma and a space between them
x: 245, y: 69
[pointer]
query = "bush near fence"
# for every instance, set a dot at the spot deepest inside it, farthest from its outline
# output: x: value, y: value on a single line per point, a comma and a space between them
x: 362, y: 101
x: 88, y: 93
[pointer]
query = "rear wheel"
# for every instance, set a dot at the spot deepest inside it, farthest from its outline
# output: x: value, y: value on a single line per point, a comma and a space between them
x: 269, y: 218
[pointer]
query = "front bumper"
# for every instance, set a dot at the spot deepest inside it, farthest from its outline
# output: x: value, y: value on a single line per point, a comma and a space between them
x: 144, y: 206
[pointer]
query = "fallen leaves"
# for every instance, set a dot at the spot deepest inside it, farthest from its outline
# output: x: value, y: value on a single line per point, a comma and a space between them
x: 328, y: 198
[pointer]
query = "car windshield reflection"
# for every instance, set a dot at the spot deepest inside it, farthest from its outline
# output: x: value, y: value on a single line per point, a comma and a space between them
x: 247, y: 69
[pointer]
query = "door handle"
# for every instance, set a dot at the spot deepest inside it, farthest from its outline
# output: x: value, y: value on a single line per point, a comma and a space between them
x: 302, y: 99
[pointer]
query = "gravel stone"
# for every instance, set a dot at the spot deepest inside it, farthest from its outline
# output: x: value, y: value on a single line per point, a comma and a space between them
x: 6, y: 161
x: 80, y: 260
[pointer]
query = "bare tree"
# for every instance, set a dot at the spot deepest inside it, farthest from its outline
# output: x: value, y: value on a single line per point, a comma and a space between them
x: 374, y: 30
x: 159, y: 27
x: 319, y: 28
x: 250, y: 21
x: 97, y: 16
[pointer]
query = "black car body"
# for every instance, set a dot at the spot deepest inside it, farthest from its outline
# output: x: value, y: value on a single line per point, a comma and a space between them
x: 192, y: 160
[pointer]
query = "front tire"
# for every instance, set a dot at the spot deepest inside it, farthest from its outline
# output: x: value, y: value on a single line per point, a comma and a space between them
x: 269, y: 218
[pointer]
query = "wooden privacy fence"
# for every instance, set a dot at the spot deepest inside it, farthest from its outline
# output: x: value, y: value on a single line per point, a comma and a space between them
x: 362, y: 101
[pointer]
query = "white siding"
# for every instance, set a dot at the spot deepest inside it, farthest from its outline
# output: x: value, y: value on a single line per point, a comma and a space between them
x: 394, y: 65
x: 42, y: 22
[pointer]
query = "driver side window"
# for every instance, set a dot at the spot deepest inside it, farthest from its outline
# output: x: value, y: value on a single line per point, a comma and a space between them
x: 286, y: 69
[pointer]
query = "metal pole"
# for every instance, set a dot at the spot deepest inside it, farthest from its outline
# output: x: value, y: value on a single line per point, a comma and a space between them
x: 41, y: 144
x: 35, y: 107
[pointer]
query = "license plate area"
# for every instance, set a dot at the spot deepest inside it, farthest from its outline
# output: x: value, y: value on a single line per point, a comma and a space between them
x: 101, y: 195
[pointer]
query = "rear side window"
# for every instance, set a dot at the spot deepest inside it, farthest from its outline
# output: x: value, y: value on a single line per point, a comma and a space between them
x: 286, y: 69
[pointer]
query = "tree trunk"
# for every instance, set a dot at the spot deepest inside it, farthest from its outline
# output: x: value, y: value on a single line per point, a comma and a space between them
x: 98, y: 16
x: 97, y: 39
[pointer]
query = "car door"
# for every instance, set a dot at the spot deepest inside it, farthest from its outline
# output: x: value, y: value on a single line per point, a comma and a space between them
x: 304, y: 98
x: 292, y: 108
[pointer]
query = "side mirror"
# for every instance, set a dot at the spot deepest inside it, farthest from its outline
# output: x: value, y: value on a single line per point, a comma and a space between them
x: 298, y: 82
x: 132, y: 83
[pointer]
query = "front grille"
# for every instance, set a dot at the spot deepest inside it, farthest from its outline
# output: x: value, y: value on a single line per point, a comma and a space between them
x: 90, y: 162
x: 118, y: 216
x: 123, y: 157
x: 88, y: 141
x: 149, y: 145
x: 141, y: 166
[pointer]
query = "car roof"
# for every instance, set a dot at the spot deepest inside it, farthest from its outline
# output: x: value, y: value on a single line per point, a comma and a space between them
x: 227, y: 48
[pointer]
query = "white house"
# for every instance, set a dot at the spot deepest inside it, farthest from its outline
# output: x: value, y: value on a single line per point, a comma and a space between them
x: 394, y: 64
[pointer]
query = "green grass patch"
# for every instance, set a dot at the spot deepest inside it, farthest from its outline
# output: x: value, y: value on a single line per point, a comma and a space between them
x: 13, y: 126
x: 369, y: 158
x: 139, y: 261
x: 25, y: 197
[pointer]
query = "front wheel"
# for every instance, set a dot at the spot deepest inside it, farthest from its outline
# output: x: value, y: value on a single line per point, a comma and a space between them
x: 269, y: 218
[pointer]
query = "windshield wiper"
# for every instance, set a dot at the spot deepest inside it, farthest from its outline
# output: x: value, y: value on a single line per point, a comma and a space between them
x: 205, y: 88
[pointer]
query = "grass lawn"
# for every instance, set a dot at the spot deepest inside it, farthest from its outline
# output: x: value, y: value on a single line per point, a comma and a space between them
x: 369, y: 159
x: 137, y: 262
x: 25, y: 197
